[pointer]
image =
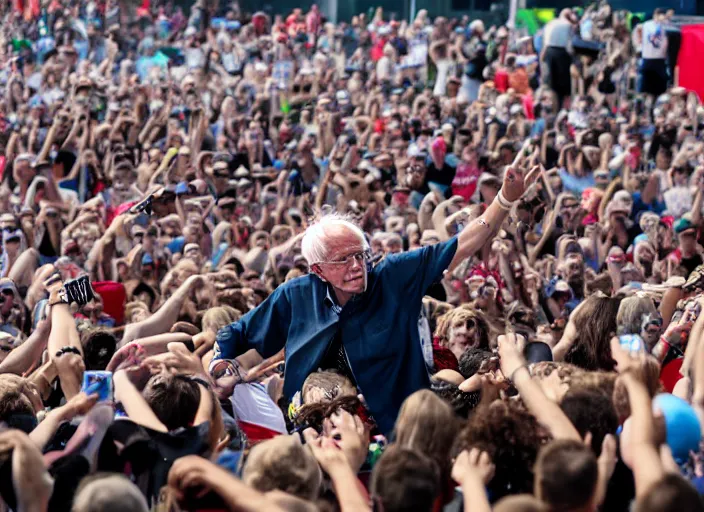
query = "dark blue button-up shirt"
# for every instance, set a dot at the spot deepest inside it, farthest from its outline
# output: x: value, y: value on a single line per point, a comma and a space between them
x: 378, y: 328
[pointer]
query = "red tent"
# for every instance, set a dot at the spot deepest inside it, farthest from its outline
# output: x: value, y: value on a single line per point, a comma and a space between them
x: 690, y: 59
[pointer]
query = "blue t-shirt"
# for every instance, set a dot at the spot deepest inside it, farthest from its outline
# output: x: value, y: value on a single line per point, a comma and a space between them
x: 639, y: 206
x: 176, y: 245
x: 575, y: 184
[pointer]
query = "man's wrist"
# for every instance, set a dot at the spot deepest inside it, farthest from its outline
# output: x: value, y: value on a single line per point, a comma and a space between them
x: 501, y: 200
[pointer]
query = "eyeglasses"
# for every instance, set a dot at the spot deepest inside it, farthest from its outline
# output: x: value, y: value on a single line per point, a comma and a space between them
x: 359, y: 257
x: 652, y: 325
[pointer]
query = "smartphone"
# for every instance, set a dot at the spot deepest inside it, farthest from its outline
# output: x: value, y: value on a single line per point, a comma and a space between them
x: 633, y: 343
x: 98, y: 382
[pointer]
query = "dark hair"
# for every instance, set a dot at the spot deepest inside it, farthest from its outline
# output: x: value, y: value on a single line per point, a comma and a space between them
x: 404, y: 480
x: 597, y: 323
x: 512, y: 437
x: 590, y: 411
x: 173, y: 398
x: 471, y: 360
x: 672, y: 493
x: 98, y: 348
x: 462, y: 403
x: 14, y: 402
x: 566, y: 475
x: 313, y: 415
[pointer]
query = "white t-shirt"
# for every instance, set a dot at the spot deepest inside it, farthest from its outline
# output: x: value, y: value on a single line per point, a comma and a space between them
x: 443, y: 66
x: 654, y: 40
x: 557, y: 33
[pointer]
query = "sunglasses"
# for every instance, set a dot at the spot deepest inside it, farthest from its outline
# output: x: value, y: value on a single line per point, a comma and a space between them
x: 5, y: 348
x: 7, y: 292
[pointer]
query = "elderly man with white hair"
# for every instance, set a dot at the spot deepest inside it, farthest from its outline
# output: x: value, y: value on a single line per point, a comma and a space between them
x: 357, y: 320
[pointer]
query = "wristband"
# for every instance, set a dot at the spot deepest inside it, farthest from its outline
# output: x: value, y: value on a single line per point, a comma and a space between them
x: 504, y: 203
x: 516, y: 370
x: 661, y: 349
x: 67, y: 350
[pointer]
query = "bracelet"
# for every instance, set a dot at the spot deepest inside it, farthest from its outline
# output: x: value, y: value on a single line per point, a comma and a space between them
x: 661, y: 349
x: 516, y: 370
x: 504, y: 203
x: 201, y: 381
x: 67, y: 350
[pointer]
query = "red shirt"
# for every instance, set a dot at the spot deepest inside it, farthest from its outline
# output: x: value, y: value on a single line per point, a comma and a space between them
x: 465, y: 182
x: 501, y: 80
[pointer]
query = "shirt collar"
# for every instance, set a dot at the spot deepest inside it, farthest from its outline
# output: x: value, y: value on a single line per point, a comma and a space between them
x: 331, y: 302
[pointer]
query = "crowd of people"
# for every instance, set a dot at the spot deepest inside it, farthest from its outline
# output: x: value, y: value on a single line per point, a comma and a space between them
x: 254, y: 262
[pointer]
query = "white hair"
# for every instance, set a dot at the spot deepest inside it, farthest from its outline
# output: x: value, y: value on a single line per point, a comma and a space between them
x: 112, y: 493
x: 315, y: 243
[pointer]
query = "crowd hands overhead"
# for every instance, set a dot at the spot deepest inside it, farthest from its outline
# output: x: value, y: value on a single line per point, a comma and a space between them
x: 172, y: 183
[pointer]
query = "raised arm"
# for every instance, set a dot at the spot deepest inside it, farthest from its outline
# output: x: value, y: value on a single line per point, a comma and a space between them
x: 135, y: 405
x: 29, y: 353
x: 166, y: 316
x: 647, y: 465
x: 547, y: 412
x: 192, y: 473
x: 480, y: 231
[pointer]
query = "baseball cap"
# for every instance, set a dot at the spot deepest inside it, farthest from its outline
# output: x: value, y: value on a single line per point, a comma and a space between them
x: 683, y: 224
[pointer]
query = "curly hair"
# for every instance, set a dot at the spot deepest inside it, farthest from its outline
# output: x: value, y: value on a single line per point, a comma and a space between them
x: 462, y: 403
x: 602, y: 382
x: 313, y: 415
x: 512, y: 437
x: 544, y: 369
x: 472, y: 360
x: 461, y: 316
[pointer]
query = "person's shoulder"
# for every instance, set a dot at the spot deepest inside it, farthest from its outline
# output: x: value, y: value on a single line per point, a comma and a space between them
x: 305, y: 281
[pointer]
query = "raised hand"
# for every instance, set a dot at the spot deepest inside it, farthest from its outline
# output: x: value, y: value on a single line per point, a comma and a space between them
x: 348, y: 432
x: 177, y: 359
x: 474, y: 463
x: 517, y: 180
x: 510, y: 355
x: 190, y: 473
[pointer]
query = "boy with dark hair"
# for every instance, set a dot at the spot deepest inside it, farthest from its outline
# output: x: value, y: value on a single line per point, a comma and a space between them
x: 566, y: 476
x: 405, y: 480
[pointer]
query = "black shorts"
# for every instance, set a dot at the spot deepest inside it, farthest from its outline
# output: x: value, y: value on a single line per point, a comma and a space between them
x: 653, y: 76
